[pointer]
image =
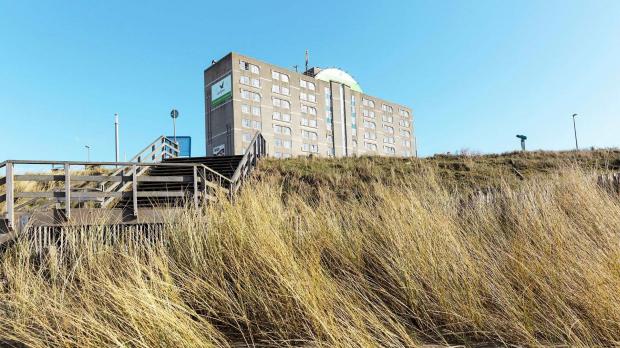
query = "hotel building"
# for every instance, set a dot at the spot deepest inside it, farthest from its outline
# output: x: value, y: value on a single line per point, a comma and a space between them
x: 321, y: 112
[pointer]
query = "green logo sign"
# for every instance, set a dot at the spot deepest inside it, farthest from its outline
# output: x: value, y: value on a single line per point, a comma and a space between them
x: 221, y: 91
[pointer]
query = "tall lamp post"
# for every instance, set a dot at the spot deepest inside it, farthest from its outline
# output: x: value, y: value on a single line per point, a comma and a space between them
x: 174, y: 114
x: 116, y: 140
x: 87, y: 153
x: 575, y: 129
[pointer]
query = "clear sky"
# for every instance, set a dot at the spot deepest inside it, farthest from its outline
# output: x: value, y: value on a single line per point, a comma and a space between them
x: 475, y: 72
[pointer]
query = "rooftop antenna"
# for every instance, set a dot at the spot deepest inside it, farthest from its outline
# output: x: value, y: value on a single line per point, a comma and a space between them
x: 307, y: 59
x: 523, y: 138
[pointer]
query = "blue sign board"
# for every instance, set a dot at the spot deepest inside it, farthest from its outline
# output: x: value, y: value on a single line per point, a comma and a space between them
x: 185, y: 145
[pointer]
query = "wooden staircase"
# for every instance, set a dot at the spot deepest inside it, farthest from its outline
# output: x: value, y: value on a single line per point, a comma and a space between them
x: 132, y: 193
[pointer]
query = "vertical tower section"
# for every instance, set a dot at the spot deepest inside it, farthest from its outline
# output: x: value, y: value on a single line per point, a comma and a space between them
x: 219, y: 111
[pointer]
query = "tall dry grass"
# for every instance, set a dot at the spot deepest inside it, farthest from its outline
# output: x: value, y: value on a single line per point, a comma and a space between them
x: 404, y: 264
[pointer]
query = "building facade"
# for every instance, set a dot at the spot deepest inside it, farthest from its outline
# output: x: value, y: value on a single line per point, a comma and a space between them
x: 321, y: 112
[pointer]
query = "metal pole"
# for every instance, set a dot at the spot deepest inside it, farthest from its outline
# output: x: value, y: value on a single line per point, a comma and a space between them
x: 174, y: 129
x: 116, y: 137
x: 575, y: 129
x: 87, y: 153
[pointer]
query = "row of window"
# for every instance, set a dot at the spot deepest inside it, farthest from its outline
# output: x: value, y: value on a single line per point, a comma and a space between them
x: 246, y: 80
x: 246, y: 109
x: 251, y: 124
x: 307, y: 96
x: 280, y: 89
x: 249, y: 95
x: 307, y: 84
x: 308, y: 110
x: 281, y: 103
x: 279, y: 76
x: 243, y: 65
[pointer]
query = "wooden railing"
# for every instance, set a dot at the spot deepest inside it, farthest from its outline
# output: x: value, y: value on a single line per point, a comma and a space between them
x: 201, y: 180
x: 256, y: 150
x: 102, y: 190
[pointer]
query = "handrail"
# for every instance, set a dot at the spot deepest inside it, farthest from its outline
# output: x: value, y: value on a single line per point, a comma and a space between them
x: 254, y: 151
x: 216, y: 173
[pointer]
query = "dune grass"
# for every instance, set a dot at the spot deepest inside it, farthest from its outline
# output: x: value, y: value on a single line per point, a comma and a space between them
x: 318, y: 260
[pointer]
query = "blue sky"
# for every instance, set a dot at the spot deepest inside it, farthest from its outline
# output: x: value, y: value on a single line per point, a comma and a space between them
x: 476, y: 73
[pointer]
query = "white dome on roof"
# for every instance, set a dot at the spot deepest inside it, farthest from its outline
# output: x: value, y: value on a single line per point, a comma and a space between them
x: 337, y: 75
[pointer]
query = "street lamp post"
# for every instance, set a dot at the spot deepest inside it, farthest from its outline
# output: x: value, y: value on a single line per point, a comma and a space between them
x: 87, y: 153
x: 174, y: 114
x: 575, y: 129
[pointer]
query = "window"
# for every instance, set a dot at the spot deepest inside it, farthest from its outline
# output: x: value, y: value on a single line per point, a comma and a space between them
x: 311, y: 110
x: 279, y: 76
x: 387, y: 108
x: 303, y: 84
x: 308, y: 122
x: 285, y: 90
x: 256, y: 83
x: 250, y: 95
x: 281, y: 103
x: 311, y: 86
x: 246, y: 123
x: 370, y: 135
x: 245, y: 108
x: 403, y: 123
x: 243, y: 65
x: 283, y: 143
x: 387, y: 118
x: 309, y: 135
x: 404, y: 133
x: 244, y: 80
x: 370, y: 146
x: 389, y: 150
x: 406, y: 143
x: 310, y: 148
x: 388, y: 140
x: 368, y: 102
x: 247, y: 137
x: 388, y: 129
x: 281, y: 129
x: 281, y: 116
x: 255, y: 110
x: 303, y: 96
x: 368, y: 113
x: 312, y: 98
x: 370, y: 125
x: 403, y: 113
x: 257, y: 125
x: 275, y: 89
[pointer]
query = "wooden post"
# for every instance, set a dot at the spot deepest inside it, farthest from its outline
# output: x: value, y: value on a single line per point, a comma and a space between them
x: 134, y: 184
x: 67, y: 191
x: 195, y: 186
x: 10, y: 196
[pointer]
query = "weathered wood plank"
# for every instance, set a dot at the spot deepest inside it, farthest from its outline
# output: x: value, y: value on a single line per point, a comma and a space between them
x: 161, y: 194
x: 59, y: 194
